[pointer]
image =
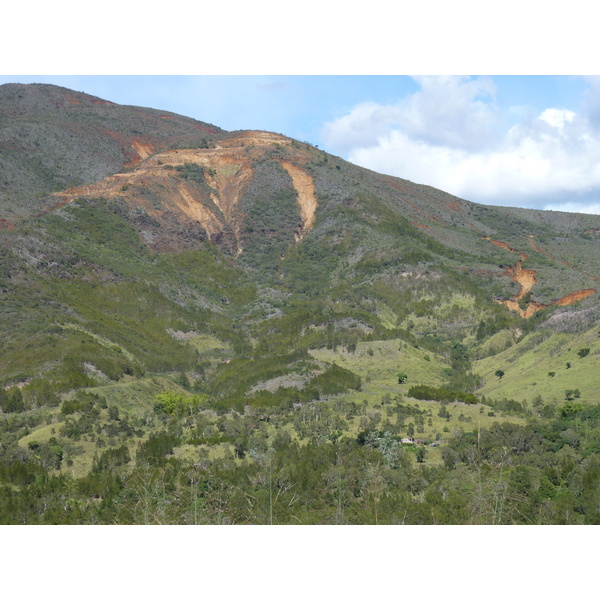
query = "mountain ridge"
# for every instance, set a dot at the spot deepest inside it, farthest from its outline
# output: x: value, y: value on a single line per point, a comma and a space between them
x: 48, y: 133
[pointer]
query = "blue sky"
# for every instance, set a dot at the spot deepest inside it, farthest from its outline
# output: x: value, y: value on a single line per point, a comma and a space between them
x: 530, y: 141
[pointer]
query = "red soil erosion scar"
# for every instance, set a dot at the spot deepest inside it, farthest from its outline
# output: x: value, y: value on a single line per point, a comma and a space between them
x: 527, y: 280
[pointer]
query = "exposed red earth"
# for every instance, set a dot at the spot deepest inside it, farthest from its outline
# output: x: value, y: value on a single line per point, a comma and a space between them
x: 227, y: 170
x: 527, y: 280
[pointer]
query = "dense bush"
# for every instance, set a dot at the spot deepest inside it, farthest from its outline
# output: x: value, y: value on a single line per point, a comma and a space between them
x: 173, y: 403
x: 154, y: 450
x: 426, y: 392
x: 111, y: 458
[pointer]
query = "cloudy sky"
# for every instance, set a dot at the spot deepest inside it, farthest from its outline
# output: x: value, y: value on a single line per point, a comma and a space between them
x: 529, y: 141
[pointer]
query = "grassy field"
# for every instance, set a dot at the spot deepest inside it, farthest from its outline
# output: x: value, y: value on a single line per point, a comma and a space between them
x: 527, y: 366
x: 80, y: 453
x: 135, y: 397
x: 378, y: 363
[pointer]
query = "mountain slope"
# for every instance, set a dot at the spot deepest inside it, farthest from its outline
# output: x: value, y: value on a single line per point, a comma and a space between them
x: 385, y: 251
x: 52, y: 138
x: 162, y: 279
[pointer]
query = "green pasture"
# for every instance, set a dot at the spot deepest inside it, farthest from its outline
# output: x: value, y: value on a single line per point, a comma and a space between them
x: 528, y: 366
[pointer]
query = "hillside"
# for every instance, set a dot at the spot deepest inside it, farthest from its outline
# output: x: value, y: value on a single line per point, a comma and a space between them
x: 199, y: 307
x: 52, y: 138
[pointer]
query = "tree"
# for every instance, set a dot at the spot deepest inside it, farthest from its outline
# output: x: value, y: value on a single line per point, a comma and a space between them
x: 444, y: 413
x: 583, y: 352
x: 402, y: 377
x: 499, y: 374
x: 13, y: 403
x: 183, y: 380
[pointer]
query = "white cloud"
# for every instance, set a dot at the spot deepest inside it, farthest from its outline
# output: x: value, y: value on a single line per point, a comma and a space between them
x: 446, y: 135
x: 446, y: 110
x: 557, y: 118
x: 590, y: 209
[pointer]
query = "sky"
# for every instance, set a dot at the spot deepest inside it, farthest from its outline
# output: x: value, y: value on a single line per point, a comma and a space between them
x: 528, y: 141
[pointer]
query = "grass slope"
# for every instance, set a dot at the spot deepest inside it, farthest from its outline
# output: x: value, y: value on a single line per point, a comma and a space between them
x: 528, y: 363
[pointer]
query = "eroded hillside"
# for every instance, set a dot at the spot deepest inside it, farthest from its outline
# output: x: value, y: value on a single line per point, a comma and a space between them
x: 526, y: 278
x: 202, y: 189
x: 52, y: 138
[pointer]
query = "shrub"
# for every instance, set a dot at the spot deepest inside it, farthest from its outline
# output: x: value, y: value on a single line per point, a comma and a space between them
x: 426, y: 392
x: 111, y: 458
x: 154, y: 450
x: 173, y: 403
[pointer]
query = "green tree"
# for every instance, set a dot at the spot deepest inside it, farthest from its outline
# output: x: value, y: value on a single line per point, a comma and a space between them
x: 499, y: 373
x: 402, y: 377
x: 183, y: 380
x: 14, y: 402
x: 444, y: 413
x: 570, y: 394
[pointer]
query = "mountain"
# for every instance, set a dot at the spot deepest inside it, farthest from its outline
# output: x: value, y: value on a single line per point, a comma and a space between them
x: 171, y: 289
x: 54, y: 138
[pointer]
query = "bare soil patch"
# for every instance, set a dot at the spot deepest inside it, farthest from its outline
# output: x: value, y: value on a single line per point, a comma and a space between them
x: 527, y: 280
